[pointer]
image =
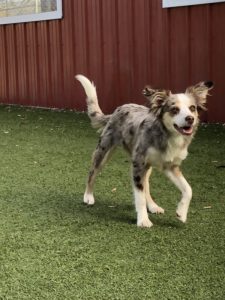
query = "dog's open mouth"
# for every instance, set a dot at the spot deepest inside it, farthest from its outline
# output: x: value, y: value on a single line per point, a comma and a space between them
x: 186, y: 130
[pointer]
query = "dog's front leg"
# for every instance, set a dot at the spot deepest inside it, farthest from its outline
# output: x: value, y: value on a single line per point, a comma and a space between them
x: 139, y: 174
x: 175, y: 175
x: 151, y: 205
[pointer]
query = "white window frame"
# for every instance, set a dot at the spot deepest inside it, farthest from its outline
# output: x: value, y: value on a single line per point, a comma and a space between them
x: 34, y: 17
x: 176, y: 3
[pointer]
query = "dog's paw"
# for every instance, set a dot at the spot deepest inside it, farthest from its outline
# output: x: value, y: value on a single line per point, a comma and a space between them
x: 144, y: 223
x: 180, y: 217
x: 89, y: 199
x: 155, y: 209
x: 181, y: 213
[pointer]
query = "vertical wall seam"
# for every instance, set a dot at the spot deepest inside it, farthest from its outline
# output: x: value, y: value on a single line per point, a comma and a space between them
x: 6, y: 69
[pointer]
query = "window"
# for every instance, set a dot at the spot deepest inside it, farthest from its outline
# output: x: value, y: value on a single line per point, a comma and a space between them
x: 18, y: 11
x: 173, y: 3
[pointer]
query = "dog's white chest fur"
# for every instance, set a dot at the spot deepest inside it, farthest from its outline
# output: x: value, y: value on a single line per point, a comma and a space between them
x: 175, y: 153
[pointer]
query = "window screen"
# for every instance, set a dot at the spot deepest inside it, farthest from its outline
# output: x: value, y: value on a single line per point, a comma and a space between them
x: 174, y: 3
x: 15, y: 11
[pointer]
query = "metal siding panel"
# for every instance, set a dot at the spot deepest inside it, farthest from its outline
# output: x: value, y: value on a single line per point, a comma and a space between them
x: 81, y: 48
x: 141, y: 48
x: 56, y: 64
x: 3, y: 67
x: 68, y: 55
x: 109, y: 63
x: 125, y: 51
x: 159, y: 45
x: 217, y: 104
x: 44, y: 84
x: 32, y: 63
x: 94, y: 44
x: 93, y: 38
x: 199, y: 44
x: 200, y: 47
x: 12, y: 62
x: 121, y: 45
x: 21, y: 48
x: 180, y: 52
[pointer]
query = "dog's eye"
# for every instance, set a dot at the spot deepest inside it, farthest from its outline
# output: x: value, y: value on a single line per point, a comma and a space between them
x: 192, y: 108
x: 175, y: 110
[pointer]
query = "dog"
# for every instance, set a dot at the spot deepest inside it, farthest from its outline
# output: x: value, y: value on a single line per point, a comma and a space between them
x: 156, y: 135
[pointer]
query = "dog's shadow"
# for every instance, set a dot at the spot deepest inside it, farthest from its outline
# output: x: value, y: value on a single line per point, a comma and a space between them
x: 103, y: 211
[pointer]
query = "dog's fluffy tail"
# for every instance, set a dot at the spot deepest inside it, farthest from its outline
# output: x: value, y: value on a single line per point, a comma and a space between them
x: 98, y: 119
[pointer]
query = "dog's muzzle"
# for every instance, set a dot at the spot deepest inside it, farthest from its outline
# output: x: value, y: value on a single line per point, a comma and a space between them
x: 185, y: 130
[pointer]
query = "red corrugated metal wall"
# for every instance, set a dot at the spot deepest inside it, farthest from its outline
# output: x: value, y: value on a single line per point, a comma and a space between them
x: 121, y: 45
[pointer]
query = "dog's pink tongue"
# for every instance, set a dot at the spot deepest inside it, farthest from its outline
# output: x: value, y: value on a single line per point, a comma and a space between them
x: 187, y: 130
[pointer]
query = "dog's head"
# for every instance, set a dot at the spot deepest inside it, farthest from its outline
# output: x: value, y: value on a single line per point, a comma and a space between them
x: 179, y: 112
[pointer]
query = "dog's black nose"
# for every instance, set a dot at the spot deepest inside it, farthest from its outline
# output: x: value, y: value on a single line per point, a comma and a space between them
x: 189, y: 120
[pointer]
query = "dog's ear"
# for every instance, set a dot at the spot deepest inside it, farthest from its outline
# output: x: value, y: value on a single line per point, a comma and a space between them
x: 156, y: 99
x: 200, y: 91
x: 148, y: 91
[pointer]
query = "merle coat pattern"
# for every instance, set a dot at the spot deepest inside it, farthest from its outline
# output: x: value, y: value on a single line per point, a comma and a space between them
x: 156, y: 135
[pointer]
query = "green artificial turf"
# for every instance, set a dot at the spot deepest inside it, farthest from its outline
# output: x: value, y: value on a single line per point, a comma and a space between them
x: 54, y: 247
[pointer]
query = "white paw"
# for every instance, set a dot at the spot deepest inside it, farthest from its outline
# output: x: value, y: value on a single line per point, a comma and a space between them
x: 155, y: 209
x: 181, y: 212
x: 144, y: 223
x: 89, y: 199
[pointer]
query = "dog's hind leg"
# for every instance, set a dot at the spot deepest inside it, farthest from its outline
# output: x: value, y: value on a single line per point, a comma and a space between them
x: 100, y: 157
x: 151, y: 205
x: 175, y: 175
